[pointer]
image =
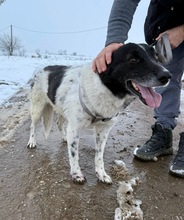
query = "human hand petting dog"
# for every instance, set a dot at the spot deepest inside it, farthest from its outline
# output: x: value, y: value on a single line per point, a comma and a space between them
x: 104, y: 57
x: 175, y: 36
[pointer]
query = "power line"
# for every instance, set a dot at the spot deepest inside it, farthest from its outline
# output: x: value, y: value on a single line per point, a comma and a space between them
x: 67, y: 32
x: 4, y: 28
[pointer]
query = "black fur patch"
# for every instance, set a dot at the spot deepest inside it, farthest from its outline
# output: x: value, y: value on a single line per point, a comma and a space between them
x: 54, y: 80
x: 130, y: 62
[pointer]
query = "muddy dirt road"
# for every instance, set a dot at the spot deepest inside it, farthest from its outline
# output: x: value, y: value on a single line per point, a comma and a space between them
x: 36, y: 185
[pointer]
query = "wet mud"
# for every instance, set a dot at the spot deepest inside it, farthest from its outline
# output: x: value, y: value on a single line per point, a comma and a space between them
x: 35, y: 183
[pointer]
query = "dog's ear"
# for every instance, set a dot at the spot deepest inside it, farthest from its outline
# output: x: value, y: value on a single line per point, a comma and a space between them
x: 120, y: 55
x: 150, y: 51
x: 124, y: 54
x: 121, y: 52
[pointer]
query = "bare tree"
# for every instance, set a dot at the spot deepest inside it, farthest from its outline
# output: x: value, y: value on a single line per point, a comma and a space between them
x: 62, y: 52
x: 74, y: 53
x: 1, y: 1
x: 9, y: 44
x: 38, y: 53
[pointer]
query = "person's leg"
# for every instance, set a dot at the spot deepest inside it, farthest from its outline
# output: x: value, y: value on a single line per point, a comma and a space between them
x: 160, y: 142
x: 169, y: 109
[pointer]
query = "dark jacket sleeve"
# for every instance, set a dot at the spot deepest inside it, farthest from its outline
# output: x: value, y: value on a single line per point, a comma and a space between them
x: 120, y: 20
x: 163, y: 15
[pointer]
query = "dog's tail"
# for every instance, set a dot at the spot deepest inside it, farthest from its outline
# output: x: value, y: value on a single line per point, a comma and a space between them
x: 47, y: 118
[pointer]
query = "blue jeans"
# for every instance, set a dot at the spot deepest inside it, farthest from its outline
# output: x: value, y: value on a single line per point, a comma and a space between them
x: 169, y: 109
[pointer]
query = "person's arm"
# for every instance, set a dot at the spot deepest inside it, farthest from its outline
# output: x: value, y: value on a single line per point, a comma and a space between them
x: 119, y: 24
x: 120, y: 20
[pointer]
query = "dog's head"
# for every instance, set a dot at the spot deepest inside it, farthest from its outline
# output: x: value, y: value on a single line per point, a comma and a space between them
x: 135, y: 70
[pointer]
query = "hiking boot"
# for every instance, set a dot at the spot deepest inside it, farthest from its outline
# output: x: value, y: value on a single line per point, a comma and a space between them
x: 177, y: 168
x: 159, y: 144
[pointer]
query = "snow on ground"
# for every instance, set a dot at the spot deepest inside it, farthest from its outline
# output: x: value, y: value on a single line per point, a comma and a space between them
x: 15, y: 71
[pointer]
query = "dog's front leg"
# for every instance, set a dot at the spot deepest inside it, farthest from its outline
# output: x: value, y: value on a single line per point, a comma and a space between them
x: 101, y: 138
x: 73, y: 144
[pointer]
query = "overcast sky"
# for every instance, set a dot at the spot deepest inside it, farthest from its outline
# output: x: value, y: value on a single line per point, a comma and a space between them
x: 71, y: 25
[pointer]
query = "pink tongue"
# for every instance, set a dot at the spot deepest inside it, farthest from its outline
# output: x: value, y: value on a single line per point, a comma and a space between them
x: 152, y: 98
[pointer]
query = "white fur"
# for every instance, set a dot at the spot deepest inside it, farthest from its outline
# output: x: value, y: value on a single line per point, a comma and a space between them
x: 72, y: 117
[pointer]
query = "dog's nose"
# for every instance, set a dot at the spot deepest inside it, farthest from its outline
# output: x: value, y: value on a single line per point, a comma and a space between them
x: 164, y: 77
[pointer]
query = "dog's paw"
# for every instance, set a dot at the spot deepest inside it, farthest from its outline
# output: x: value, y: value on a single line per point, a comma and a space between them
x: 31, y: 145
x: 78, y: 178
x: 104, y: 178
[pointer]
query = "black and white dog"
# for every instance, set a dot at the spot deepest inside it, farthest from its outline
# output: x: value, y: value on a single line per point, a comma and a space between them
x: 84, y: 99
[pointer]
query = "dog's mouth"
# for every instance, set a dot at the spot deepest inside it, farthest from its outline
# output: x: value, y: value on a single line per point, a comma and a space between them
x: 146, y: 94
